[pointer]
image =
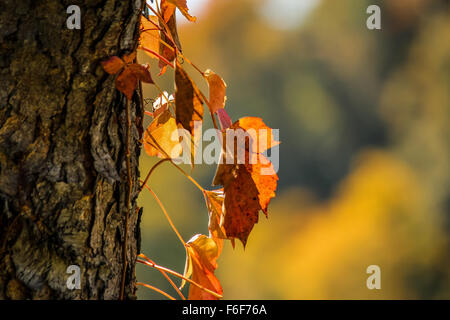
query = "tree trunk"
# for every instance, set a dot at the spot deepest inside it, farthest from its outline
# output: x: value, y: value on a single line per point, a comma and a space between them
x: 63, y: 132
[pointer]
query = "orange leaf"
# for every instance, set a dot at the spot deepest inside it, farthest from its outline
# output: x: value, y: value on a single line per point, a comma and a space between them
x: 150, y: 35
x: 248, y: 186
x: 160, y: 138
x: 189, y: 106
x: 126, y: 82
x: 167, y: 10
x: 113, y: 65
x: 217, y: 89
x: 261, y: 135
x: 201, y: 256
x: 182, y: 6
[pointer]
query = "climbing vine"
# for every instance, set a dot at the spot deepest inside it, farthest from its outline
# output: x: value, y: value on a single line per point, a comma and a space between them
x: 247, y: 186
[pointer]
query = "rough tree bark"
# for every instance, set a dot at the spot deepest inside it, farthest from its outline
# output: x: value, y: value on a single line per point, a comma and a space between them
x: 63, y: 131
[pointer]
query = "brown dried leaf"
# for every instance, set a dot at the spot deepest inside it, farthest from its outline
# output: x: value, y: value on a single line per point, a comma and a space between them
x: 189, y: 106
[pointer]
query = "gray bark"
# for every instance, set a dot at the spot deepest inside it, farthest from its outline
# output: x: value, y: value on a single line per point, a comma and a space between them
x: 63, y: 176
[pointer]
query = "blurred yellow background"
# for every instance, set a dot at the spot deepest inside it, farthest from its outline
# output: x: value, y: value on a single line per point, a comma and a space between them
x: 364, y: 160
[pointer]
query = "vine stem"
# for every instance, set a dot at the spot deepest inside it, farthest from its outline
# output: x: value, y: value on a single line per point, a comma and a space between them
x: 176, y: 274
x: 155, y: 289
x: 176, y: 166
x: 189, y: 177
x: 177, y: 52
x: 167, y: 215
x: 151, y: 171
x: 167, y: 277
x: 158, y: 55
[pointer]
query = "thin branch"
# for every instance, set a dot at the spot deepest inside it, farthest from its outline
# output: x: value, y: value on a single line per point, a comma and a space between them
x: 155, y: 289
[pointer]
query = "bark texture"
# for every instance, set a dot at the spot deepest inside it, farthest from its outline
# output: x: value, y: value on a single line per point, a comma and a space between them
x: 63, y: 175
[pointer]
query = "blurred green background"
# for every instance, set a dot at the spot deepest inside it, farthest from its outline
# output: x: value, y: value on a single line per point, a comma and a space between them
x: 364, y: 160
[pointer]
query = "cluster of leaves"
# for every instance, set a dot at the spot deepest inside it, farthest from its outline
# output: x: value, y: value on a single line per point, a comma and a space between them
x: 234, y: 208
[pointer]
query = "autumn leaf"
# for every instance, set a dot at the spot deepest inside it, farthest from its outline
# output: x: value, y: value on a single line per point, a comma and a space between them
x: 182, y: 6
x: 189, y: 105
x: 126, y: 82
x: 248, y: 186
x: 150, y: 35
x: 214, y: 201
x: 129, y: 73
x: 113, y: 65
x: 167, y: 10
x: 217, y: 88
x: 262, y: 137
x: 161, y: 138
x: 201, y: 256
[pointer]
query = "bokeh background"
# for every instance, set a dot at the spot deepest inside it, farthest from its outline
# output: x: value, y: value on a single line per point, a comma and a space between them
x: 364, y: 160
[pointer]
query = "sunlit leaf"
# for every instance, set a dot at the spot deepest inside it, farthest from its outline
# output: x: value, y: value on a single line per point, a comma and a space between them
x: 215, y: 201
x: 182, y: 6
x: 249, y: 185
x: 150, y: 34
x: 202, y: 253
x: 161, y: 137
x: 217, y: 88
